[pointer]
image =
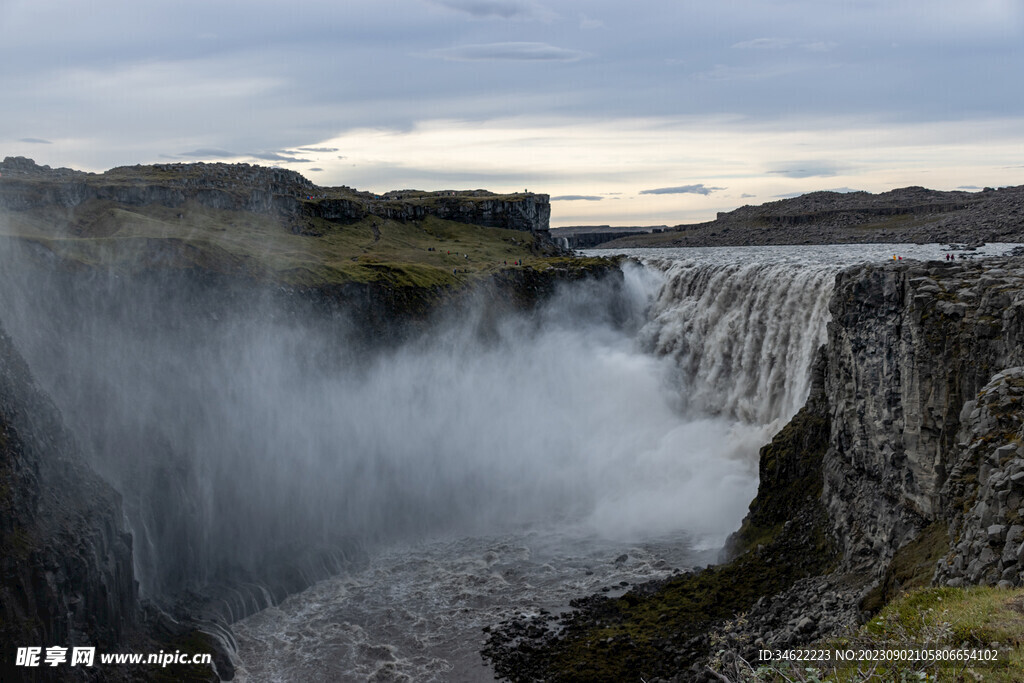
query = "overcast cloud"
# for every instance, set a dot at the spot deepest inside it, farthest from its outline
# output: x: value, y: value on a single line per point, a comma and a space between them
x: 925, y: 87
x: 684, y: 189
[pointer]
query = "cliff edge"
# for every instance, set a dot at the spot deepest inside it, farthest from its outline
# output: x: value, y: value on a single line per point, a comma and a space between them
x: 905, y: 469
x: 286, y: 194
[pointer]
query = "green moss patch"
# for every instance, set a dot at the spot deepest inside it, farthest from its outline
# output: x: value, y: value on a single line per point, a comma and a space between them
x: 790, y: 476
x: 911, y: 567
x: 424, y: 253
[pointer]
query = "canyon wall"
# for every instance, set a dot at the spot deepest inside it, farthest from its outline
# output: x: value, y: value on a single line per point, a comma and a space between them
x: 242, y: 187
x: 910, y: 347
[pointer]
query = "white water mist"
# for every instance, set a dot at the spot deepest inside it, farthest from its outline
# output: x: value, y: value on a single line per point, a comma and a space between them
x: 241, y: 429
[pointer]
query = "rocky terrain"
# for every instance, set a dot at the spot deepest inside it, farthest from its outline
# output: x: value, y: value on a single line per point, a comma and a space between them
x: 385, y: 255
x: 905, y: 215
x: 905, y: 469
x: 25, y: 186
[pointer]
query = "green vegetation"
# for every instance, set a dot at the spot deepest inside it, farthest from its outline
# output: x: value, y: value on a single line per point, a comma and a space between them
x: 912, y: 566
x: 790, y: 470
x: 979, y: 618
x: 427, y: 253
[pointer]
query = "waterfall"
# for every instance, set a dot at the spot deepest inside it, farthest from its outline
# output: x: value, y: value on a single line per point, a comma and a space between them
x: 743, y: 335
x: 244, y: 430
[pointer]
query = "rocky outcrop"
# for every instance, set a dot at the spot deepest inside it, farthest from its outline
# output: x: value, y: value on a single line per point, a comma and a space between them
x: 904, y: 215
x: 26, y: 186
x: 923, y: 478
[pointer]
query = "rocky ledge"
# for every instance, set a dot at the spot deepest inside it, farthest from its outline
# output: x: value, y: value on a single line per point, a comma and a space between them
x: 25, y: 186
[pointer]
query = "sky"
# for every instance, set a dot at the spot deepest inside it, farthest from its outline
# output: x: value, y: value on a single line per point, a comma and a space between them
x: 646, y: 112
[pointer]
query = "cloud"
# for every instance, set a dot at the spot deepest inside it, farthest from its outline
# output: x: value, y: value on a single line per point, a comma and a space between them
x: 484, y: 9
x: 35, y: 141
x: 512, y: 52
x: 803, y: 169
x: 756, y: 72
x: 588, y: 24
x: 214, y: 153
x: 316, y: 169
x: 576, y: 197
x: 208, y: 153
x: 282, y: 155
x: 684, y: 189
x: 764, y: 44
x: 747, y: 196
x: 783, y: 43
x: 820, y: 46
x: 324, y: 150
x: 968, y: 187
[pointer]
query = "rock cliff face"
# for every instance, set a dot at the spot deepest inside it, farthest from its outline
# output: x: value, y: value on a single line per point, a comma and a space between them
x: 923, y: 476
x: 242, y: 187
x: 985, y: 488
x: 909, y: 347
x: 66, y: 559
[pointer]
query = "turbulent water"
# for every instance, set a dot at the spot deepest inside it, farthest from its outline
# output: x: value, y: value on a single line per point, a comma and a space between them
x: 489, y: 465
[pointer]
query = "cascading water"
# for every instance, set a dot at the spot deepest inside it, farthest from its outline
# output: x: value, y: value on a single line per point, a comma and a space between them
x: 742, y: 334
x: 491, y: 463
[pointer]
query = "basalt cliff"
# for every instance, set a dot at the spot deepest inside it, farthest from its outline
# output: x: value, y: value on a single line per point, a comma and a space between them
x: 905, y: 469
x: 279, y: 192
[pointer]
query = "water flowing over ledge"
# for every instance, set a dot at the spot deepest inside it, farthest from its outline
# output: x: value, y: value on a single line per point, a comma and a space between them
x: 242, y: 432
